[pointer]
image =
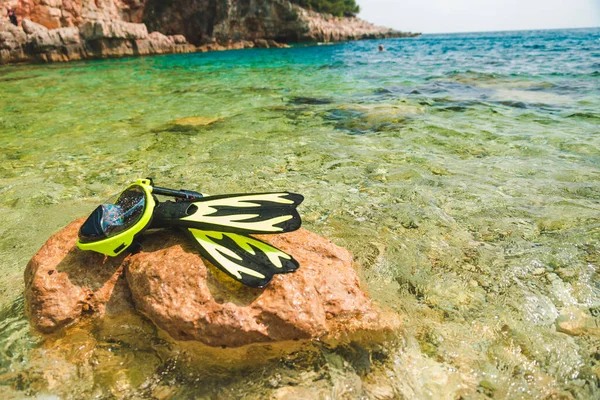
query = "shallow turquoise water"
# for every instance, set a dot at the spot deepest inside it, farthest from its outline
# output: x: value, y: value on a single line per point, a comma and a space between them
x: 461, y: 170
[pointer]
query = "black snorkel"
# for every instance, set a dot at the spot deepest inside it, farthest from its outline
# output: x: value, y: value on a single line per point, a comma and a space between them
x: 180, y: 195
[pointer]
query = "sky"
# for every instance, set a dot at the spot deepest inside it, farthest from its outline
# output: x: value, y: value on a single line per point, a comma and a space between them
x: 440, y: 16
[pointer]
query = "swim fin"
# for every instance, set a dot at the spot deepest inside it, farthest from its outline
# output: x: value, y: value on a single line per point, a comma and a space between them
x: 235, y: 213
x: 246, y: 259
x: 219, y: 225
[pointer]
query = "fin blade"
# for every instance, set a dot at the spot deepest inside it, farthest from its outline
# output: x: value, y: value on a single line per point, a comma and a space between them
x: 246, y: 213
x: 246, y: 259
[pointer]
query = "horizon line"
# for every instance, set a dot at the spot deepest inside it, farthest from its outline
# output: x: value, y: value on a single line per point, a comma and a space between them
x: 508, y: 30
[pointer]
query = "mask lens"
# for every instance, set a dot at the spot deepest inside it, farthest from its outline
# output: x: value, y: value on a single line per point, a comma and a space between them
x: 110, y: 219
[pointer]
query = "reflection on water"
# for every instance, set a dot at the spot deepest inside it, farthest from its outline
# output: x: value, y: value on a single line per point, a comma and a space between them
x: 461, y: 171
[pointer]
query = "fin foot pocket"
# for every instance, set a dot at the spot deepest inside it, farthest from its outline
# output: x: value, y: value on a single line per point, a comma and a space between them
x: 237, y: 213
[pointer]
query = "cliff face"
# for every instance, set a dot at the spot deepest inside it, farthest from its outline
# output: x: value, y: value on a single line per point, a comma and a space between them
x: 226, y: 20
x: 212, y: 24
x: 202, y: 21
x: 71, y: 13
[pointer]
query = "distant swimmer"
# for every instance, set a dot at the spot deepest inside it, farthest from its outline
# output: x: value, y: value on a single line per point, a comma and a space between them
x: 380, y: 47
x: 12, y: 16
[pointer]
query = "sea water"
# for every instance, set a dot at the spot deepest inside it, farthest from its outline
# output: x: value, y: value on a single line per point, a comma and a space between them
x: 461, y: 170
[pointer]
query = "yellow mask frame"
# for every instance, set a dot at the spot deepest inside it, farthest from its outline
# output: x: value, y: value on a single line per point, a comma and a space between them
x: 115, y: 245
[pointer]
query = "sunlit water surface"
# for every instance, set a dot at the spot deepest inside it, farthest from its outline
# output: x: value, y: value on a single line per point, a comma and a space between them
x: 461, y: 170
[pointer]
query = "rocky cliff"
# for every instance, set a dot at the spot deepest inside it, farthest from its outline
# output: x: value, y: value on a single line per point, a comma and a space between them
x: 76, y: 29
x: 33, y: 42
x: 202, y: 21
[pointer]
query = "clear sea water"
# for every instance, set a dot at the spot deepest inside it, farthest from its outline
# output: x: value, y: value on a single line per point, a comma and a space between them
x: 462, y: 170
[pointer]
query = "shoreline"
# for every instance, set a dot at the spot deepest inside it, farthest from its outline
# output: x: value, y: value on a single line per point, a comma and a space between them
x: 64, y: 54
x: 36, y: 59
x: 33, y: 44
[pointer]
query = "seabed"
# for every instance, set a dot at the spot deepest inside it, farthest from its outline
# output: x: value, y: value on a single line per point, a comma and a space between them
x: 460, y: 170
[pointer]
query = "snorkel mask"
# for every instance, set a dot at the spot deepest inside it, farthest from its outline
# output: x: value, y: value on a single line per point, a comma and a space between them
x: 111, y: 228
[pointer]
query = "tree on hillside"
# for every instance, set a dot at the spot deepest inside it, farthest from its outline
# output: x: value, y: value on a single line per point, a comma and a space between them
x: 346, y: 8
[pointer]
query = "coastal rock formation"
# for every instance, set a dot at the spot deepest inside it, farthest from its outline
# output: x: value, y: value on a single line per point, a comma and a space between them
x: 61, y: 44
x: 93, y: 39
x: 328, y: 28
x: 234, y: 20
x: 68, y: 13
x: 112, y: 28
x: 173, y: 286
x: 11, y: 42
x: 31, y: 27
x: 95, y: 30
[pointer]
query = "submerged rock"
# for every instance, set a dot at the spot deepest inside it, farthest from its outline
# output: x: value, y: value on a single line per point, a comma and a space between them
x: 195, y: 121
x: 189, y: 299
x: 576, y: 322
x: 189, y: 125
x: 300, y: 100
x: 360, y: 119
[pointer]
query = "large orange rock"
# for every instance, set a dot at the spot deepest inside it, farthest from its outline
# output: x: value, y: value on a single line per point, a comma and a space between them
x: 191, y: 300
x: 64, y: 284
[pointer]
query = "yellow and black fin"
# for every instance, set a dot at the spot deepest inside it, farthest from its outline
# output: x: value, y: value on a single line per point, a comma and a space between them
x: 237, y: 213
x: 246, y: 259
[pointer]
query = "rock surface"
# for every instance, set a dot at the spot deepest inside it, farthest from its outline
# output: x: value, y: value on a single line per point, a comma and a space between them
x: 113, y: 28
x: 63, y: 284
x: 11, y: 43
x: 576, y: 322
x: 94, y: 30
x: 30, y: 27
x: 234, y: 20
x: 193, y: 122
x: 328, y: 28
x: 171, y: 284
x: 93, y: 39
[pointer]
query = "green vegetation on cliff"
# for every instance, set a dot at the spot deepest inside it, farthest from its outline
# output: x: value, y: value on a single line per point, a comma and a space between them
x: 340, y: 8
